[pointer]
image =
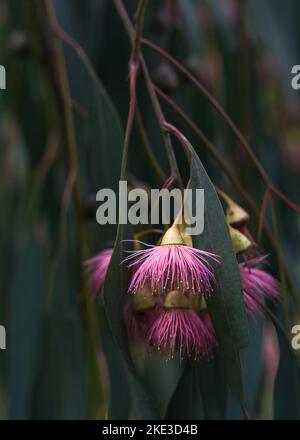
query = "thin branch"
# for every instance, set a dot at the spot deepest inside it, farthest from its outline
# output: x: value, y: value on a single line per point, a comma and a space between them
x: 70, y: 130
x: 154, y: 100
x: 228, y: 120
x: 212, y: 100
x: 230, y: 173
x: 280, y: 261
x: 208, y: 144
x: 89, y: 317
x: 134, y: 65
x: 147, y: 147
x: 262, y: 214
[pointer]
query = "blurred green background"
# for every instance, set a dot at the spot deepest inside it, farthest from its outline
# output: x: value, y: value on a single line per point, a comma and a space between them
x: 61, y: 360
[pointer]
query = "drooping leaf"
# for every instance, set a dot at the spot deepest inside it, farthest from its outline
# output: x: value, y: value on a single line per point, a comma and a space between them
x: 66, y: 338
x: 252, y: 371
x: 287, y: 384
x: 25, y: 332
x: 114, y: 293
x: 161, y: 377
x: 186, y: 403
x: 201, y: 392
x: 225, y: 305
x: 120, y: 401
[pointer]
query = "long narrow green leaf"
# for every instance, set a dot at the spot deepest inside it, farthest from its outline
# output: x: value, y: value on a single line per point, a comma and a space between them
x: 287, y: 385
x: 114, y: 292
x: 225, y: 305
x: 25, y: 332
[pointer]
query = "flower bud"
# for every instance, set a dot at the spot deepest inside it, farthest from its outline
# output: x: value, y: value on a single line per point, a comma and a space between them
x: 236, y: 214
x: 166, y: 77
x: 240, y: 242
x: 172, y: 236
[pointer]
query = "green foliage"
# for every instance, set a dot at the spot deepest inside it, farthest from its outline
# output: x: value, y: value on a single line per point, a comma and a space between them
x: 68, y: 355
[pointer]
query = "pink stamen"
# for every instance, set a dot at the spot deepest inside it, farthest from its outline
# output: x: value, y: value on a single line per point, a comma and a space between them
x: 181, y: 330
x: 171, y: 267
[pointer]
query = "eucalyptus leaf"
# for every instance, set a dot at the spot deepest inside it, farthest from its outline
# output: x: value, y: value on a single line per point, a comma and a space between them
x: 287, y: 384
x: 186, y: 403
x: 201, y: 392
x: 114, y: 293
x: 25, y: 332
x: 225, y: 305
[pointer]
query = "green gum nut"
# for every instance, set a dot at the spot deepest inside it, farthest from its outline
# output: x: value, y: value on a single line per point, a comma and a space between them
x: 236, y: 214
x: 240, y: 242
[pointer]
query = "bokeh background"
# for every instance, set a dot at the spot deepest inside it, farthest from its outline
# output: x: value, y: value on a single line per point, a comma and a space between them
x: 61, y: 360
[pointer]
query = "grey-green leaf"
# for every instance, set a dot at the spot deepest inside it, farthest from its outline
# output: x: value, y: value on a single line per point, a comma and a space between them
x: 114, y: 292
x: 226, y: 306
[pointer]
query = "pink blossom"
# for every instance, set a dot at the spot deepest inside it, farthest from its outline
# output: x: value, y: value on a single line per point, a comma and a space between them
x: 258, y: 285
x: 97, y: 266
x: 181, y: 330
x: 171, y: 267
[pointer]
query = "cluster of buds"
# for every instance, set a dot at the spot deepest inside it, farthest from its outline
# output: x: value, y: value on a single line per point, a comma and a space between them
x: 170, y: 282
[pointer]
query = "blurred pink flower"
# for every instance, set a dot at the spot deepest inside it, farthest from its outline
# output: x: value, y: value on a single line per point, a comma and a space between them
x: 139, y: 323
x: 258, y: 285
x: 97, y: 266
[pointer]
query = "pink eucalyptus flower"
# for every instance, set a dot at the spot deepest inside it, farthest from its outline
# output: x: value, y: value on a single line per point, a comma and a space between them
x: 181, y: 330
x: 98, y: 266
x: 139, y: 323
x: 172, y: 267
x: 258, y: 285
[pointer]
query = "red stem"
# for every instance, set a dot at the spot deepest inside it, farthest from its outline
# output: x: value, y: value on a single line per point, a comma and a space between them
x: 228, y: 120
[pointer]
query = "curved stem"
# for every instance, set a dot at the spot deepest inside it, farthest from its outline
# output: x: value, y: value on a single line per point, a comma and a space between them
x: 154, y: 100
x: 227, y: 169
x: 262, y: 214
x: 208, y: 144
x: 89, y: 318
x: 147, y: 147
x: 227, y: 119
x: 134, y: 65
x: 280, y: 261
x: 70, y: 130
